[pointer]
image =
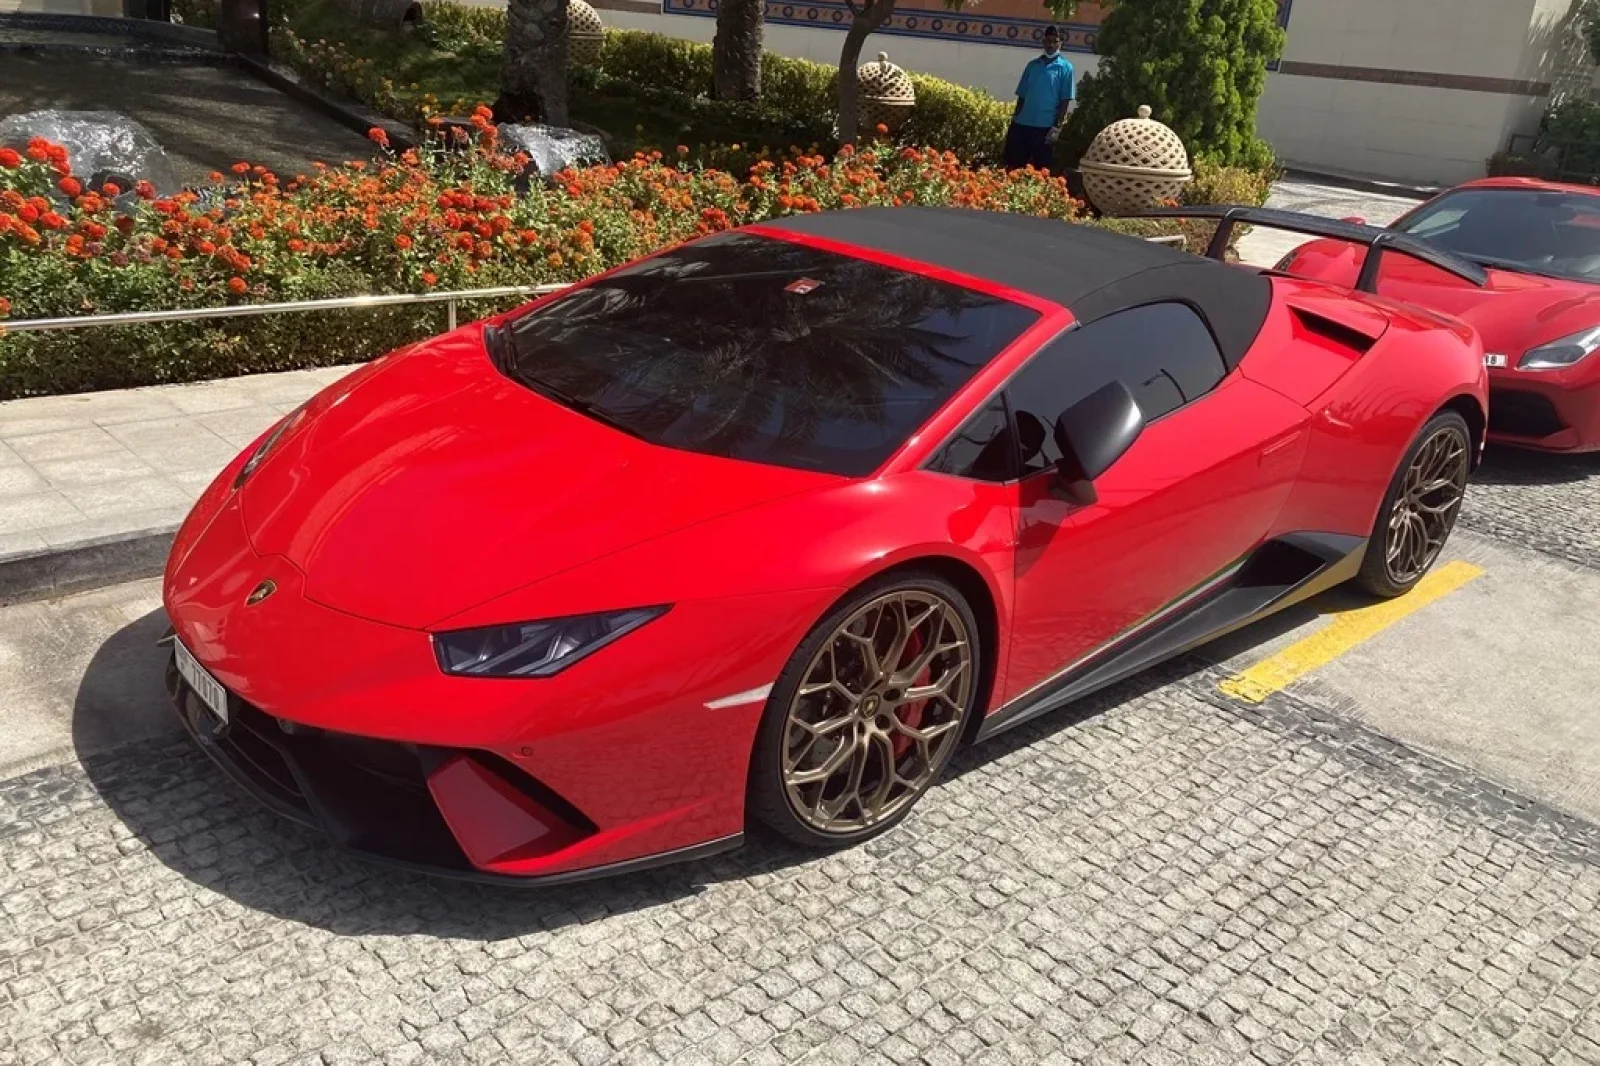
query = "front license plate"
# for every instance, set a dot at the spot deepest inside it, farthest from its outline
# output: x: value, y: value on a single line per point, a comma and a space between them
x: 1494, y: 359
x: 208, y: 688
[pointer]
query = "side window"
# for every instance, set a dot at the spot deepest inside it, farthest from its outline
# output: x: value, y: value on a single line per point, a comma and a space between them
x: 1162, y: 352
x: 981, y: 448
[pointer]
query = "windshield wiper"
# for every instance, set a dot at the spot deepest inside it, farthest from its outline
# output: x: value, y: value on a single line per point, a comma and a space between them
x: 502, y: 353
x: 1516, y: 267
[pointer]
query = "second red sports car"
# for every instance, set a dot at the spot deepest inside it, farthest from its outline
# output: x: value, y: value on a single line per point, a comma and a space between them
x: 1539, y: 314
x: 763, y: 527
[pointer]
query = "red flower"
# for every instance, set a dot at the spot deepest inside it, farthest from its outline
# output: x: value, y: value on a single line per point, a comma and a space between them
x: 69, y: 186
x: 9, y: 158
x: 241, y: 168
x: 28, y: 213
x: 111, y: 188
x: 5, y: 304
x: 215, y: 175
x: 51, y: 220
x: 378, y: 137
x: 237, y: 286
x: 428, y: 278
x: 145, y: 191
x: 402, y: 242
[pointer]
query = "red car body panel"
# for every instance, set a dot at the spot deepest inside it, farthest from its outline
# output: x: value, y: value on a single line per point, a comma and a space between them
x: 427, y: 492
x: 1514, y: 313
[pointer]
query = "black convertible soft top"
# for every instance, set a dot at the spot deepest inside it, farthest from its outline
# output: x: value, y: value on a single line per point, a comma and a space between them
x: 1092, y: 272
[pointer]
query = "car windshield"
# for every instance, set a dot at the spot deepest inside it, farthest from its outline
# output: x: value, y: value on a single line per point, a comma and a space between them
x: 761, y: 349
x: 1555, y: 234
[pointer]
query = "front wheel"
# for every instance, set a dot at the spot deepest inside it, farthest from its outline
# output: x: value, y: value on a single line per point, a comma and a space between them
x: 867, y: 713
x: 1419, y: 510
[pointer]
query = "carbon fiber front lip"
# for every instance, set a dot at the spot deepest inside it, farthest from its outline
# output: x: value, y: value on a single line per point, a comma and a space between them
x: 313, y: 819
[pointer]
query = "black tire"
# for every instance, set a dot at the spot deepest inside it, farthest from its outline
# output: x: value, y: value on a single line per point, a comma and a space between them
x: 770, y: 801
x: 1379, y: 575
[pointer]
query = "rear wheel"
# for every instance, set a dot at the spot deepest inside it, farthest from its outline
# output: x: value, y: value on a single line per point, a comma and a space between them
x: 1419, y: 511
x: 867, y: 713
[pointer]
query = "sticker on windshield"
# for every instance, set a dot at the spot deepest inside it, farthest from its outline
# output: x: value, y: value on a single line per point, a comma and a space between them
x: 802, y: 286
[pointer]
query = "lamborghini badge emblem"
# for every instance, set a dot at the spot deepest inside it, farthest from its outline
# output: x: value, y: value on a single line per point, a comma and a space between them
x: 260, y: 592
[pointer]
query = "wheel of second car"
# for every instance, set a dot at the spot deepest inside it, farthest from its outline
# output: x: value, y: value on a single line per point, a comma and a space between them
x: 1419, y: 511
x: 867, y: 713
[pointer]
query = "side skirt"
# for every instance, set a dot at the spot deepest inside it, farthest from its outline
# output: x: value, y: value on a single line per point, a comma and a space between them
x: 1279, y: 574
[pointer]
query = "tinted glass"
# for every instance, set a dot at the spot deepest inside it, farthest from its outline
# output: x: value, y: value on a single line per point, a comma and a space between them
x: 761, y: 349
x: 982, y: 448
x: 1163, y: 353
x: 1551, y: 233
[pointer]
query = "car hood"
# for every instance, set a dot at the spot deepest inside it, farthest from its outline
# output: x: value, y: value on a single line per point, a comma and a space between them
x: 437, y: 484
x: 1513, y: 313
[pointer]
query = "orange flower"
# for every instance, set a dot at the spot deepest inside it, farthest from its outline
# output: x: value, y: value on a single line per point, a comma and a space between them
x: 111, y: 188
x: 241, y: 168
x: 429, y: 278
x: 9, y: 158
x: 5, y: 304
x: 402, y: 242
x: 215, y: 175
x: 70, y: 186
x: 378, y: 137
x: 51, y: 220
x: 237, y: 286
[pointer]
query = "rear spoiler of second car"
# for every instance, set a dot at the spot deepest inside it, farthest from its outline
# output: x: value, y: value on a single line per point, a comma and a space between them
x: 1374, y: 239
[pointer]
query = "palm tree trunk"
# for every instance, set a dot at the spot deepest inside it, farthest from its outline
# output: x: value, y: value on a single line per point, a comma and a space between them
x: 533, y: 78
x: 736, y: 50
x: 867, y: 18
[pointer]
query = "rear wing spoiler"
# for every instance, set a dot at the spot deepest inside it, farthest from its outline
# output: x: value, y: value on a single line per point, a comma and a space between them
x: 1377, y: 241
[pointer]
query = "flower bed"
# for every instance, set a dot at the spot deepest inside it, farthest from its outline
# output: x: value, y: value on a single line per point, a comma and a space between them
x: 435, y: 218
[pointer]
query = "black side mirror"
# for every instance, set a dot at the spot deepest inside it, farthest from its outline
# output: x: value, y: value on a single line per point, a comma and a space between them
x: 1094, y: 433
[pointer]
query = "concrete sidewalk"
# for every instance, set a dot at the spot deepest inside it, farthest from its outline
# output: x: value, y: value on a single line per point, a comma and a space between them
x: 99, y: 468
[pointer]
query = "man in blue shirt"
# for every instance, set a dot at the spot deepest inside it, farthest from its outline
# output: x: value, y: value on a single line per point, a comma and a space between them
x: 1044, y: 96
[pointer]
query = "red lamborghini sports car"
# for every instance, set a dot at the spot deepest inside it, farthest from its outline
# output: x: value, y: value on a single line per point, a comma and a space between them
x: 1539, y: 315
x: 760, y: 529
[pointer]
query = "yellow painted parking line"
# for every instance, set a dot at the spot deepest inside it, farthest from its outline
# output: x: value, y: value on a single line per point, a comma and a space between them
x: 1343, y: 633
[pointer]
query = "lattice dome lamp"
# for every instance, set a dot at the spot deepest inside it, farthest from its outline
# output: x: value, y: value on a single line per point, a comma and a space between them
x: 886, y: 97
x: 586, y: 34
x: 1134, y: 164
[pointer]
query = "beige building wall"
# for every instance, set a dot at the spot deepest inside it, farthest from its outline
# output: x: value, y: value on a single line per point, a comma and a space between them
x: 1417, y: 91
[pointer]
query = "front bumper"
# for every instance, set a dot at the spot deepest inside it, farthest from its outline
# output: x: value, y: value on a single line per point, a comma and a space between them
x: 431, y: 810
x: 1554, y: 411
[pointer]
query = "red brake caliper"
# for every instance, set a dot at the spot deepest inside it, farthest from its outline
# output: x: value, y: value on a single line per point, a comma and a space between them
x: 910, y: 714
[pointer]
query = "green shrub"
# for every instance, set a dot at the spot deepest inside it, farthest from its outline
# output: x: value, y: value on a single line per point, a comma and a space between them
x: 658, y: 61
x: 1200, y: 65
x: 1214, y: 184
x: 970, y: 123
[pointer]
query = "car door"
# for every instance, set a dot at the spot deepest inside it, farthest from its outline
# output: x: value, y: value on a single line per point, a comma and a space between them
x: 1195, y: 493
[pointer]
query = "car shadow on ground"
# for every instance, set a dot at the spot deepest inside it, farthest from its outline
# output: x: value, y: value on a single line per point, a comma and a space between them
x: 1520, y: 466
x: 201, y: 826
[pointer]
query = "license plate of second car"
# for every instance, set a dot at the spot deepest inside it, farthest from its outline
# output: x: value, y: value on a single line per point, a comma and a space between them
x: 208, y: 688
x: 1494, y: 359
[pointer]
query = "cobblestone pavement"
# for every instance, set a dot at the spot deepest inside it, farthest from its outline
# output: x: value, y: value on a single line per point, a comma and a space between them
x: 1164, y: 878
x: 1550, y: 503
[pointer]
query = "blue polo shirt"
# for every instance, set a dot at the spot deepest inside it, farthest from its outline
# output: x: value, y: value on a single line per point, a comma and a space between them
x: 1046, y: 84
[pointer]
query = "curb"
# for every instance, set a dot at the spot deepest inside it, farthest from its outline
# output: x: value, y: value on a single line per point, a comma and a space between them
x: 89, y: 564
x: 1359, y: 184
x: 351, y: 115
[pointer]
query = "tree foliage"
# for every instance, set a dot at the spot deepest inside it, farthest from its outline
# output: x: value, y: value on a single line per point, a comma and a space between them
x: 1201, y: 65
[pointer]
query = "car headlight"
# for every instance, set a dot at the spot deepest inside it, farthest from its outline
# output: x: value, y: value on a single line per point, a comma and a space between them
x: 534, y: 649
x: 271, y: 440
x: 1557, y: 355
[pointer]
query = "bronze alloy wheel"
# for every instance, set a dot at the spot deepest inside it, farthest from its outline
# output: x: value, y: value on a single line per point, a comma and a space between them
x: 877, y: 712
x: 1425, y: 507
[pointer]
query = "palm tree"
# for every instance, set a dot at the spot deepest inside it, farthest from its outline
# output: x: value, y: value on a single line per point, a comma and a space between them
x: 533, y: 78
x: 736, y: 50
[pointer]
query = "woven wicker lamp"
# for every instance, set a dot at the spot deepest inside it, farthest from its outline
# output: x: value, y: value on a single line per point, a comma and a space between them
x: 586, y: 34
x: 1134, y: 164
x: 887, y: 96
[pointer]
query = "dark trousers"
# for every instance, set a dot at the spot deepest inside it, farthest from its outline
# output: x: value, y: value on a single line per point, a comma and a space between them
x: 1027, y: 145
